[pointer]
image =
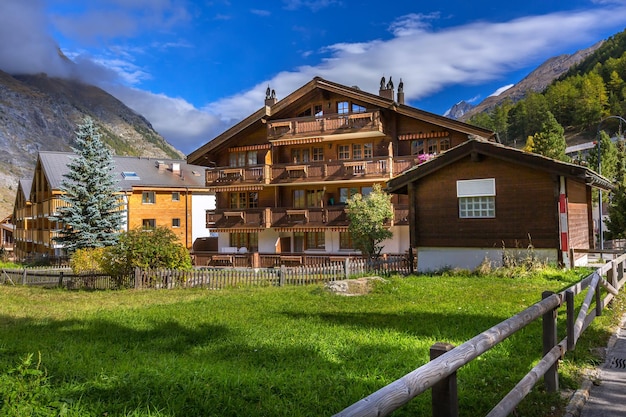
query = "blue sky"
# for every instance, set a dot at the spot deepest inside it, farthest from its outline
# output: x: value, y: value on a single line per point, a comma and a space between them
x: 194, y: 68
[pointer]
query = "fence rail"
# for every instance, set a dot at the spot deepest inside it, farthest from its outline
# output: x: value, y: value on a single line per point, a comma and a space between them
x: 440, y: 373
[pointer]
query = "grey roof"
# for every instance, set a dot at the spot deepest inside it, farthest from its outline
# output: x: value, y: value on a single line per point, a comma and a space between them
x: 54, y: 165
x: 25, y: 185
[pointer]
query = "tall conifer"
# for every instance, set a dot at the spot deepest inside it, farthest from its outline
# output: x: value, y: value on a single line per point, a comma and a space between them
x: 91, y: 217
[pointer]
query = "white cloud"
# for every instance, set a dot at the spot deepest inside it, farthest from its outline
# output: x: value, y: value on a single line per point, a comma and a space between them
x: 501, y: 90
x: 426, y: 60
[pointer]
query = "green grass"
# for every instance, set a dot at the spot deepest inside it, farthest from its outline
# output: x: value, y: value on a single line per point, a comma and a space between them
x: 291, y: 351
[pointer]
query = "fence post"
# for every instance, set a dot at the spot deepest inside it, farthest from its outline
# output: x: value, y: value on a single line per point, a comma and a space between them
x: 411, y: 260
x: 551, y: 378
x: 599, y: 300
x: 137, y: 278
x: 61, y: 279
x: 445, y: 399
x: 281, y: 275
x: 571, y: 320
x: 346, y: 268
x: 24, y: 277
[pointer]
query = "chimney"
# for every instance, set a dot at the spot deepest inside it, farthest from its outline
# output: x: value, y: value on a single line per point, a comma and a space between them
x: 386, y: 90
x: 176, y: 167
x: 270, y: 97
x: 161, y: 165
x: 401, y: 92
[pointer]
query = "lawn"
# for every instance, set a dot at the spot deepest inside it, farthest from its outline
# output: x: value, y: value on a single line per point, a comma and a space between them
x: 290, y: 351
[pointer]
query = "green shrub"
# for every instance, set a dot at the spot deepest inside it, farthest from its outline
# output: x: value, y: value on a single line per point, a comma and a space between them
x: 152, y: 248
x: 87, y: 260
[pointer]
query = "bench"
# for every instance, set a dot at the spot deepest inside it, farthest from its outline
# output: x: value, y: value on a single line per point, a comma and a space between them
x: 291, y: 259
x: 228, y: 259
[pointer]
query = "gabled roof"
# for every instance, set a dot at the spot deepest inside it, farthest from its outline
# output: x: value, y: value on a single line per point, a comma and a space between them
x: 477, y: 147
x: 317, y: 83
x: 148, y: 174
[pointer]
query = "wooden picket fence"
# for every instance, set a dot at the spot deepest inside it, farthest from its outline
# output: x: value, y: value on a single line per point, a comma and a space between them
x: 208, y: 277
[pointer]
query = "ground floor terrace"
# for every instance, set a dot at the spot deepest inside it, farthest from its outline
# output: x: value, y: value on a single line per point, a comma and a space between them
x: 288, y: 246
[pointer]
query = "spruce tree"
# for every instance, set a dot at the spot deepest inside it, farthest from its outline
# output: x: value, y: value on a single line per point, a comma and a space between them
x: 92, y: 216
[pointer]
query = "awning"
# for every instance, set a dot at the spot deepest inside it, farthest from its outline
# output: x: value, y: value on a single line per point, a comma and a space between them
x: 421, y: 135
x: 237, y: 229
x: 235, y: 188
x: 258, y: 147
x: 300, y: 141
x: 312, y: 229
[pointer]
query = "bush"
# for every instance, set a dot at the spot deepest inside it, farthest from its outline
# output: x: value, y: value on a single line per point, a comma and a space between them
x: 87, y: 260
x: 152, y: 248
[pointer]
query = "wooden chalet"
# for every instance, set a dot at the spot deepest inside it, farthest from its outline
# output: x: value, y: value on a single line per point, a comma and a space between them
x: 283, y: 174
x: 154, y: 192
x: 480, y: 199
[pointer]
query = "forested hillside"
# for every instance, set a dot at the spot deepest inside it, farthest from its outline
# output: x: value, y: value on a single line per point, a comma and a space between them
x: 588, y: 93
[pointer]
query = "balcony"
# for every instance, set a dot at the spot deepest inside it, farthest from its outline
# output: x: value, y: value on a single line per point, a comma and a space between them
x: 375, y: 168
x: 329, y: 124
x: 283, y: 217
x: 237, y: 175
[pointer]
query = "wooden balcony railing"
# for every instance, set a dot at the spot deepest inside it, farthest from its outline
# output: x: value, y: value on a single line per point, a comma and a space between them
x: 287, y: 217
x: 375, y: 168
x: 328, y: 124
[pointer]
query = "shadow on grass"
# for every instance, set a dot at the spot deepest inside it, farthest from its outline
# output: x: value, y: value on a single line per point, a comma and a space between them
x: 165, y: 368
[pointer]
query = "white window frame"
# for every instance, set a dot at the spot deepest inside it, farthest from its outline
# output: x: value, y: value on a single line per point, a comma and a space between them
x: 477, y: 198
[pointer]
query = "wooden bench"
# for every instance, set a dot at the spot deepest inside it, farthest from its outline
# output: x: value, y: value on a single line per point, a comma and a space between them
x: 291, y: 259
x: 228, y: 259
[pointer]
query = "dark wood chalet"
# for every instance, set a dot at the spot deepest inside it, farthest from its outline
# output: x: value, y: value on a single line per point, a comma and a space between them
x: 283, y: 174
x: 480, y: 199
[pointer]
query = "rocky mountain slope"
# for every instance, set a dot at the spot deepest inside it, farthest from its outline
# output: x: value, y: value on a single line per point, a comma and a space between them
x: 39, y: 113
x: 536, y: 81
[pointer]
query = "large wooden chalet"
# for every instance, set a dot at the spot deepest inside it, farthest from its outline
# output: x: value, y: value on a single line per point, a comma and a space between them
x: 283, y: 174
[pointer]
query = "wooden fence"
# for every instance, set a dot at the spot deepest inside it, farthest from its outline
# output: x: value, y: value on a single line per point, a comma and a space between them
x: 208, y: 277
x: 440, y: 373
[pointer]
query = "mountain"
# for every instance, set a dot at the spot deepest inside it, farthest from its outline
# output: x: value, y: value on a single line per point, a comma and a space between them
x: 40, y: 113
x: 536, y: 81
x: 458, y: 110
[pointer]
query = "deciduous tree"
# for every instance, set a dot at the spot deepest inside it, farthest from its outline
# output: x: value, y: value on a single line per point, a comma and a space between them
x: 369, y: 217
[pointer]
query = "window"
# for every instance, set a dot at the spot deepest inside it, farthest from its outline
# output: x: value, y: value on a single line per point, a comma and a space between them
x: 346, y: 193
x: 368, y: 150
x: 315, y: 240
x: 318, y: 154
x: 300, y: 155
x: 244, y: 200
x: 345, y: 240
x: 175, y: 196
x: 305, y: 113
x: 298, y: 199
x: 342, y: 107
x: 249, y: 241
x: 357, y: 151
x: 148, y: 197
x: 241, y: 159
x: 357, y: 108
x: 343, y: 151
x: 175, y: 222
x: 148, y: 223
x: 318, y: 110
x: 477, y: 198
x: 417, y: 147
x: 130, y: 175
x: 308, y: 240
x: 314, y: 198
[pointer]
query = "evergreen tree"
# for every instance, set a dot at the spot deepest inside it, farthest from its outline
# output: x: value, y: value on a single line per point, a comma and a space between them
x: 368, y: 216
x: 616, y: 223
x: 550, y: 141
x: 92, y: 216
